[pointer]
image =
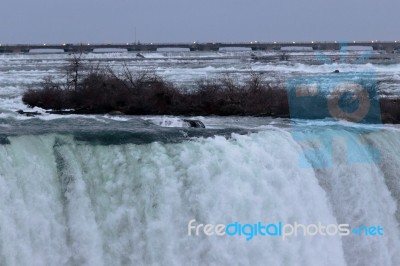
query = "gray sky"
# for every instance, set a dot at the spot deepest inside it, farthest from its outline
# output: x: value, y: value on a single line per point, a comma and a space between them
x: 71, y: 21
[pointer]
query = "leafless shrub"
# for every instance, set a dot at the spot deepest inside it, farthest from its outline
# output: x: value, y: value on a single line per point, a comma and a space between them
x: 101, y: 90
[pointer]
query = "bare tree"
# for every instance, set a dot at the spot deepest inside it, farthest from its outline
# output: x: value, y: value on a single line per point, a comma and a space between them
x: 74, y: 71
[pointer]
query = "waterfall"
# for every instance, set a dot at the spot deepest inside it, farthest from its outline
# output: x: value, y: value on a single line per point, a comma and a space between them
x: 64, y: 201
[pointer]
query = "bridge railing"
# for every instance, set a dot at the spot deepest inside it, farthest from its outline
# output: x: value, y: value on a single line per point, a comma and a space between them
x: 377, y: 45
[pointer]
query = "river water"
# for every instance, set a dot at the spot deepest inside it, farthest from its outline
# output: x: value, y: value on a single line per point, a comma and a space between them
x: 120, y: 190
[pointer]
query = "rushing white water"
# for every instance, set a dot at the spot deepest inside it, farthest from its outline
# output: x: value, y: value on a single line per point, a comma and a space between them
x: 67, y: 202
x: 120, y: 190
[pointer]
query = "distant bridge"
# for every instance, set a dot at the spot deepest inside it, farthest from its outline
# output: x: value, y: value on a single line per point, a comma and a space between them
x: 389, y: 47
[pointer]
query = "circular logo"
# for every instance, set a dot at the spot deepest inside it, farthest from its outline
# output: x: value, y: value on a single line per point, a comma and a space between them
x: 358, y: 93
